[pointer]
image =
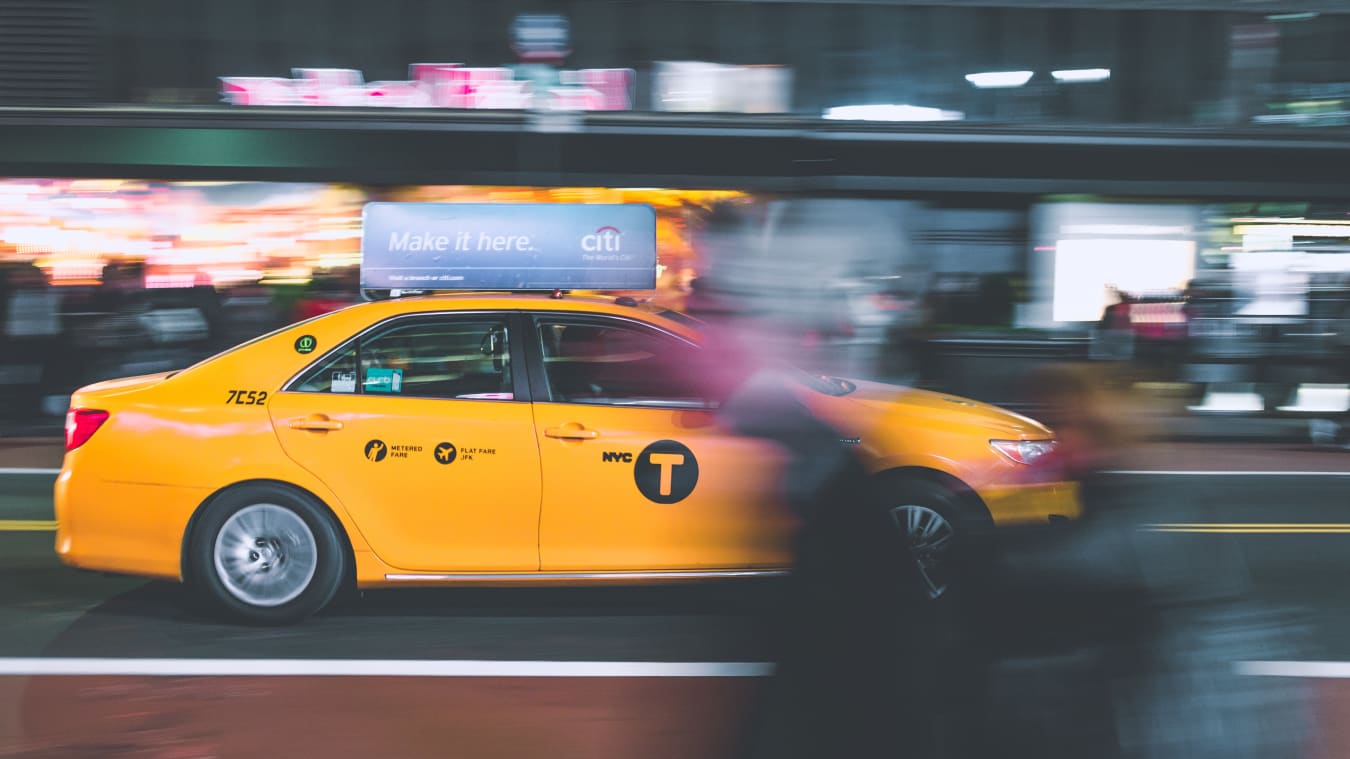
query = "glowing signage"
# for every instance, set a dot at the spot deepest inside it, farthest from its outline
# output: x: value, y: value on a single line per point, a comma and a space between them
x: 436, y: 85
x: 508, y: 246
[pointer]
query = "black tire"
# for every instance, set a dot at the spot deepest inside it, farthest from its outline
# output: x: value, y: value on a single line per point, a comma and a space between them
x: 296, y: 537
x: 915, y: 503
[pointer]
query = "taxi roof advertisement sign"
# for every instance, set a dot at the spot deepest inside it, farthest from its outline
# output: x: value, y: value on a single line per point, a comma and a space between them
x: 508, y: 246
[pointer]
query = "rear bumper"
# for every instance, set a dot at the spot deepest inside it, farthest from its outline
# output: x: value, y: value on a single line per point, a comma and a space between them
x: 122, y: 527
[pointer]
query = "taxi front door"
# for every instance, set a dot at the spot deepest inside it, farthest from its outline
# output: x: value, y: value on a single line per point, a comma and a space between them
x: 638, y: 475
x: 429, y: 451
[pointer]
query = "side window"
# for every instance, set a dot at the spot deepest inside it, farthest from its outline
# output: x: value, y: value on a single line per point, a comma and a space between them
x: 336, y: 374
x: 446, y: 357
x: 618, y: 365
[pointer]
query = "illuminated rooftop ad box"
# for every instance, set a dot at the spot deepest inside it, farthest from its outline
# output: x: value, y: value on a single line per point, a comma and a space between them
x: 508, y: 246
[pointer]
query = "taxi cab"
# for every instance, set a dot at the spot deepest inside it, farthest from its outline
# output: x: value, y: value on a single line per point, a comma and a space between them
x: 498, y: 438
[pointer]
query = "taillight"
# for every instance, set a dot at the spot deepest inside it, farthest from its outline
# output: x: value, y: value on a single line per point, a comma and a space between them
x: 81, y: 424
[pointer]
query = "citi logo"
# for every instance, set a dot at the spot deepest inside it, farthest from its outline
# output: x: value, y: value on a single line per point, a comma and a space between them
x: 604, y: 240
x: 624, y: 457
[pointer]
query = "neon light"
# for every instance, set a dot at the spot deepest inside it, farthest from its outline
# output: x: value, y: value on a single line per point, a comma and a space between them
x: 435, y: 85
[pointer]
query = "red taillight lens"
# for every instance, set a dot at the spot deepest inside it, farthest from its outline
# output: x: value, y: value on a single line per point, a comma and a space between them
x: 81, y: 424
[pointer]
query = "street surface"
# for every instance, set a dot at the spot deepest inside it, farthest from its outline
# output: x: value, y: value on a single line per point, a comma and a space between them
x: 92, y: 665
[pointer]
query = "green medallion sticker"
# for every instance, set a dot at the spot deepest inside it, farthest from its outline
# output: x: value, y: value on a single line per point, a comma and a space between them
x: 384, y: 380
x: 305, y: 344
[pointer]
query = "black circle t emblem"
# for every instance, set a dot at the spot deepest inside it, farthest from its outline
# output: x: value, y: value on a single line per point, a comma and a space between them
x: 305, y: 344
x: 376, y: 450
x: 445, y: 453
x: 666, y: 472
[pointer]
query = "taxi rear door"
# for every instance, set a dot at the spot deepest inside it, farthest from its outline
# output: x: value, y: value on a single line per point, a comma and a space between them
x: 637, y: 472
x: 421, y: 428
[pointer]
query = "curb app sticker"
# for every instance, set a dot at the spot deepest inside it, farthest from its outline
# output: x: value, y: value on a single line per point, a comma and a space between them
x: 376, y: 450
x: 444, y: 452
x: 666, y: 472
x: 384, y: 380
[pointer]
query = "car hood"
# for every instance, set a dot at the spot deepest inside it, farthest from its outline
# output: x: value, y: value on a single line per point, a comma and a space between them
x: 893, y: 401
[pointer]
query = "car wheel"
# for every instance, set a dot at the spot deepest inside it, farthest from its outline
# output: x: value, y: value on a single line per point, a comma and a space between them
x: 932, y: 522
x: 267, y: 554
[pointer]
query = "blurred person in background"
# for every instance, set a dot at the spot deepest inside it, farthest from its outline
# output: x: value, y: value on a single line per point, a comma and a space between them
x: 1112, y: 637
x: 33, y: 338
x: 326, y: 293
x: 248, y: 310
x: 118, y: 332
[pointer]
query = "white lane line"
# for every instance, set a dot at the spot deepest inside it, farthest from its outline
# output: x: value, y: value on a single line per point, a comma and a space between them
x: 91, y: 667
x: 30, y: 666
x: 1214, y: 473
x: 27, y: 470
x: 1320, y: 669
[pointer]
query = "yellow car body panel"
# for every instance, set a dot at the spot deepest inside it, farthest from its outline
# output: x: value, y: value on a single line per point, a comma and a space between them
x: 521, y: 498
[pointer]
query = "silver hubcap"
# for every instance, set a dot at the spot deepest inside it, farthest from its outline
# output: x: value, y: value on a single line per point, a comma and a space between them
x: 265, y: 555
x: 929, y: 536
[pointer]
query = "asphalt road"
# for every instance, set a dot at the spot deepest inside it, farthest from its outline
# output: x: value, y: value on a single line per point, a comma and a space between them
x: 55, y: 613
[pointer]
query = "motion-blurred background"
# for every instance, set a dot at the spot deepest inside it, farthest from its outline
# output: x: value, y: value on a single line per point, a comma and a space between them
x: 940, y: 194
x: 952, y: 195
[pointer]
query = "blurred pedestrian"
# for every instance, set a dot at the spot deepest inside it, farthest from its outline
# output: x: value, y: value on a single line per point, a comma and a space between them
x: 847, y: 623
x: 1116, y: 635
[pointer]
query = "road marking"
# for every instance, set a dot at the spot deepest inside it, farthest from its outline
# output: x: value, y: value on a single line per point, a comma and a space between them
x: 27, y: 525
x: 1216, y: 473
x: 90, y: 667
x: 1321, y: 669
x: 27, y: 470
x: 1253, y: 528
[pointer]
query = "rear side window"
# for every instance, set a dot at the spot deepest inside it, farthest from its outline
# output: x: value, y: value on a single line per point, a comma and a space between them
x: 617, y: 365
x: 465, y: 358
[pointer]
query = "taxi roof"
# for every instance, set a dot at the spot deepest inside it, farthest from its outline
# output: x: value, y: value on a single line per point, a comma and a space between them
x: 508, y: 301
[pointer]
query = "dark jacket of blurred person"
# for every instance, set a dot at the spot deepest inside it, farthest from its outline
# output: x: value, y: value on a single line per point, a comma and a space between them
x: 851, y: 611
x: 1114, y: 637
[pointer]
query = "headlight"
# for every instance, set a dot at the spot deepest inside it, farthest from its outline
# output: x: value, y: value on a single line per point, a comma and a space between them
x: 1023, y: 451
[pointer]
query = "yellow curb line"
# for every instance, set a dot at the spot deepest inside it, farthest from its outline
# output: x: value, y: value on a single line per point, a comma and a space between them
x: 27, y: 525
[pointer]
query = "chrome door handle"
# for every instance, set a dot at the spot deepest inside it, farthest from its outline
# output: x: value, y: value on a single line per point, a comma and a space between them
x: 323, y: 425
x: 565, y: 433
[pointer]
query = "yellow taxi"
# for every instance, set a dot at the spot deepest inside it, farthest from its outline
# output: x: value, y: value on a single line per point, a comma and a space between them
x: 498, y: 438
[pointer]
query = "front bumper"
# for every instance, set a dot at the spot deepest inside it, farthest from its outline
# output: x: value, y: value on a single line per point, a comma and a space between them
x: 1031, y: 503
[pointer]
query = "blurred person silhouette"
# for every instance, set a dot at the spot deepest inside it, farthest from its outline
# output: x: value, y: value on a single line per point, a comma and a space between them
x: 33, y: 336
x: 851, y: 616
x: 326, y: 293
x: 1115, y: 635
x: 121, y: 300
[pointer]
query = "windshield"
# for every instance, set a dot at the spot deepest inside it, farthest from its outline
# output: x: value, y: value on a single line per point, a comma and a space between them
x: 822, y: 383
x: 677, y: 317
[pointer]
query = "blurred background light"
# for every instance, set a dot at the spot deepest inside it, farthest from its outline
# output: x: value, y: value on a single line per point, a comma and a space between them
x: 993, y: 79
x: 891, y: 112
x: 1070, y: 76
